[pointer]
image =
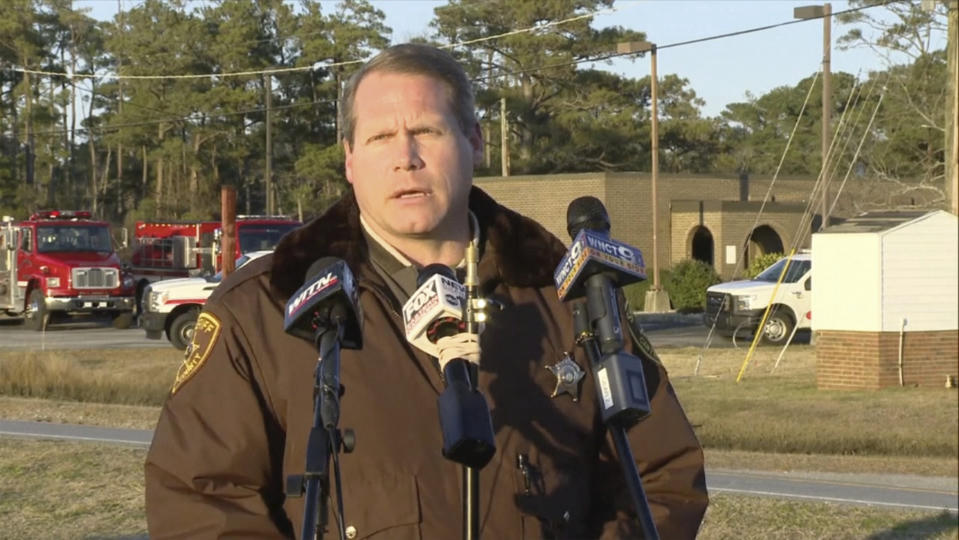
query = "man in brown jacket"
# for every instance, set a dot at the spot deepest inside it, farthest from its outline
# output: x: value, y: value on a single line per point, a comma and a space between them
x: 236, y: 422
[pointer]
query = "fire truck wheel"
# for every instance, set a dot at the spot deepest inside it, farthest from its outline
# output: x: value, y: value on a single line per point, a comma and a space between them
x: 181, y: 329
x: 122, y: 320
x: 37, y: 316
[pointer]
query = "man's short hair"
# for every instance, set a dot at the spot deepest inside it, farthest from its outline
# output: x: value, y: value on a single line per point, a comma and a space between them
x: 414, y: 59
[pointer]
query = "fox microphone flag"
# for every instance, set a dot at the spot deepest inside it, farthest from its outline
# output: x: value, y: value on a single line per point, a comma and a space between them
x: 439, y: 297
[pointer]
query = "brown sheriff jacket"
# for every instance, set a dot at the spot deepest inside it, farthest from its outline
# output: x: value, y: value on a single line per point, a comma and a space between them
x: 236, y: 424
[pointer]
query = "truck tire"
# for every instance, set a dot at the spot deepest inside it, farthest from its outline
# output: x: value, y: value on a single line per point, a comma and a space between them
x: 139, y: 299
x: 122, y: 320
x: 181, y: 329
x: 779, y: 326
x: 36, y: 317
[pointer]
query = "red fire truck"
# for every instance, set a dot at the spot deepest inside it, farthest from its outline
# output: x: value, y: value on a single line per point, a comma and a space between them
x: 62, y: 261
x: 176, y: 249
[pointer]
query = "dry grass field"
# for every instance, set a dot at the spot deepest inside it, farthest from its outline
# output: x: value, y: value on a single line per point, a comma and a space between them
x: 771, y: 420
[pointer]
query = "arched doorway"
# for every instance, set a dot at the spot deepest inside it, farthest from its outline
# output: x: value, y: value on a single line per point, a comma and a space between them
x: 701, y: 246
x: 763, y: 240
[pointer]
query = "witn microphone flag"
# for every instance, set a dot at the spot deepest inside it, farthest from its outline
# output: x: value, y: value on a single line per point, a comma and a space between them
x: 437, y: 298
x: 328, y: 291
x: 591, y: 252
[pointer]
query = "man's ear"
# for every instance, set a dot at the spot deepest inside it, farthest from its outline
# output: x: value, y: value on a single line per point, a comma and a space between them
x: 475, y: 137
x: 348, y: 161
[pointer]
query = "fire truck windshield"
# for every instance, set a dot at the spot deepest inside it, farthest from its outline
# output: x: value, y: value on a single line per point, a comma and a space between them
x: 73, y: 238
x: 262, y: 237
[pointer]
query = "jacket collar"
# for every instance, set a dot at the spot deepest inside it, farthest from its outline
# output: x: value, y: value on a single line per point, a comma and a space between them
x: 518, y: 251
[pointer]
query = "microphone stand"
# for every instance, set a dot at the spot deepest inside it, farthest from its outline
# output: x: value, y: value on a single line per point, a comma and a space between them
x: 471, y: 495
x: 324, y: 440
x: 587, y: 340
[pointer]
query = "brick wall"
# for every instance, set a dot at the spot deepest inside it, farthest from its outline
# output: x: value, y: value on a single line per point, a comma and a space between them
x: 685, y: 218
x: 627, y: 197
x: 870, y: 360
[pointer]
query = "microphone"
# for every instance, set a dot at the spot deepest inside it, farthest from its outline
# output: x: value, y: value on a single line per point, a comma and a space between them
x: 594, y: 267
x: 437, y: 302
x: 593, y: 251
x: 433, y: 312
x: 324, y: 311
x: 328, y: 295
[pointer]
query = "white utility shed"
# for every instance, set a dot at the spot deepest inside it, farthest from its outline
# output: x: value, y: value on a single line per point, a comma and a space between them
x: 882, y: 270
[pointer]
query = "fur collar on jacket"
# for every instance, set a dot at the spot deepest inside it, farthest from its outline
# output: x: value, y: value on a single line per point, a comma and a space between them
x: 518, y: 251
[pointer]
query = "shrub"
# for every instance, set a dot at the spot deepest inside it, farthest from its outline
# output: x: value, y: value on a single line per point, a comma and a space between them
x: 686, y: 284
x: 761, y: 263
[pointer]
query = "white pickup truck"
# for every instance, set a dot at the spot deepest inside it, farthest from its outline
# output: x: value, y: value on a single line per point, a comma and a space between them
x: 738, y: 306
x: 171, y: 306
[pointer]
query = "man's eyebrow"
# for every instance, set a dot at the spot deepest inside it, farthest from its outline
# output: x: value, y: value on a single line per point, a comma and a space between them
x: 380, y: 133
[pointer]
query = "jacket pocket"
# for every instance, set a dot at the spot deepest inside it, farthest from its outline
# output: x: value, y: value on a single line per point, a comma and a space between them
x: 550, y: 499
x: 384, y: 503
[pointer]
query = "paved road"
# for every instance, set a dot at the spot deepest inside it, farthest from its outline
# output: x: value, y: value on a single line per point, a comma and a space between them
x: 97, y: 333
x: 687, y: 330
x: 81, y: 333
x: 664, y: 330
x: 898, y: 491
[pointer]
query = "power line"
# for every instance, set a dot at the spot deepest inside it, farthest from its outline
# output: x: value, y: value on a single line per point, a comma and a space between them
x: 186, y: 117
x: 271, y: 71
x: 543, y: 67
x: 611, y: 55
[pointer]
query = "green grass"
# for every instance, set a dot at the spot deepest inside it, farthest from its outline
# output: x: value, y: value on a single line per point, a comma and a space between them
x: 791, y: 416
x: 55, y: 489
x: 771, y: 421
x: 780, y: 412
x: 128, y: 376
x: 751, y: 518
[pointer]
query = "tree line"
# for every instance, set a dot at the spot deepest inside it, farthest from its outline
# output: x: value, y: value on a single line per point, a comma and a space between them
x: 148, y: 114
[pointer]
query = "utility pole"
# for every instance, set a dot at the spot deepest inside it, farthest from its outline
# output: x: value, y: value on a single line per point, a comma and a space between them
x: 268, y: 173
x: 504, y: 137
x: 657, y: 299
x: 825, y: 13
x: 120, y: 110
x: 228, y: 230
x: 952, y: 110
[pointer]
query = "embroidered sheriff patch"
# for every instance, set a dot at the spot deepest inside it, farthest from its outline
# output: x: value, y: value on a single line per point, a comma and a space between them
x: 205, y: 334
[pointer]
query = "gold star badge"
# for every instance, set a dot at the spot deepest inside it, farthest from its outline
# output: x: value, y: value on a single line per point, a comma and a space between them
x: 568, y: 375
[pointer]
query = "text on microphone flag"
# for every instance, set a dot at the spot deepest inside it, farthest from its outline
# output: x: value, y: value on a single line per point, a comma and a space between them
x: 314, y: 289
x: 591, y: 248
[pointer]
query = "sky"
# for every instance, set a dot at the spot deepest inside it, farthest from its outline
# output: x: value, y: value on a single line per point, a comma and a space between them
x: 720, y: 71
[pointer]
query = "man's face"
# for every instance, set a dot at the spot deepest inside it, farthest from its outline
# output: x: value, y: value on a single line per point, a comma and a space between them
x: 410, y: 163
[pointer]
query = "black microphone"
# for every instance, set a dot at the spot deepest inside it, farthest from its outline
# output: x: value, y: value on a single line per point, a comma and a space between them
x: 595, y: 266
x: 464, y: 415
x: 325, y: 311
x: 328, y: 296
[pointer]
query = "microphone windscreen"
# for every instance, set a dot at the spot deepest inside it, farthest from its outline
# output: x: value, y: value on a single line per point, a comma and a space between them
x: 327, y: 297
x: 431, y: 270
x: 586, y: 212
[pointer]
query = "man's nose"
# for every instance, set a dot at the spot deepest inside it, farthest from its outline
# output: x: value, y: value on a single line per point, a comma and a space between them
x: 406, y: 155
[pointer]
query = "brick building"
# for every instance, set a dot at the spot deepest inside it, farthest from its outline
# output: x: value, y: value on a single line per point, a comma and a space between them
x: 703, y: 217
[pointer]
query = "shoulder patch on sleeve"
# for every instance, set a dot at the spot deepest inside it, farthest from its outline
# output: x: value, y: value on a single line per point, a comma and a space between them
x: 205, y: 334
